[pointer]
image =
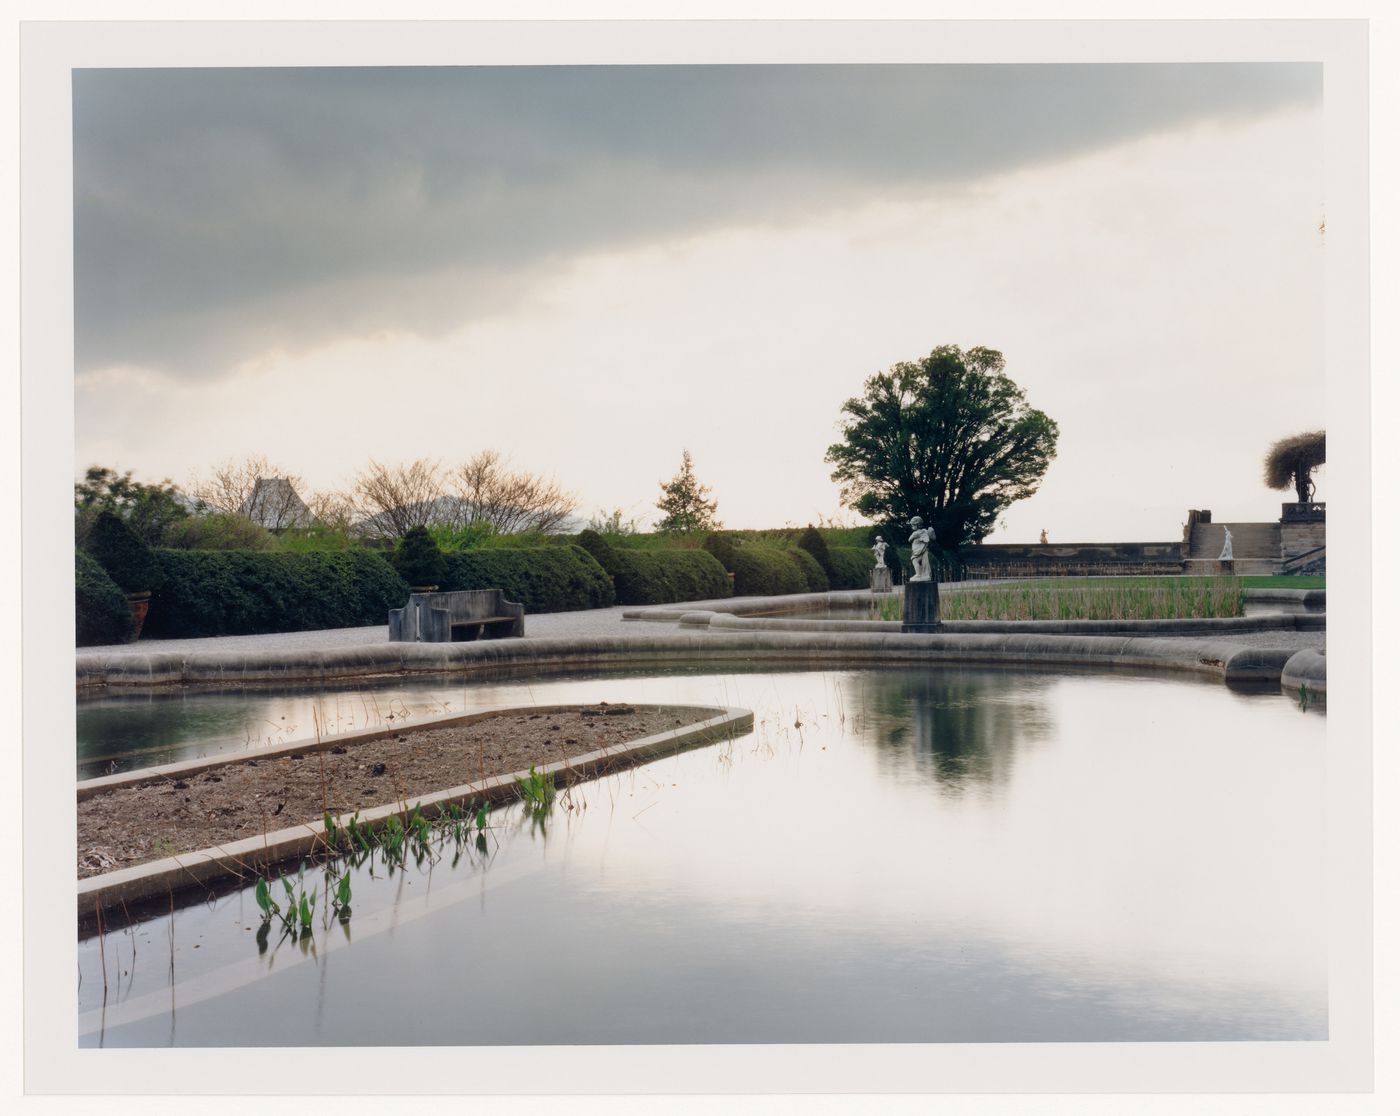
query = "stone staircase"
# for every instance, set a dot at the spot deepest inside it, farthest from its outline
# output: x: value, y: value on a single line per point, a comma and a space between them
x: 1258, y: 547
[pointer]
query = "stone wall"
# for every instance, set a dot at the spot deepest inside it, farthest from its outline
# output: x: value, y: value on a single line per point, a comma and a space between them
x: 1031, y: 559
x: 1299, y: 537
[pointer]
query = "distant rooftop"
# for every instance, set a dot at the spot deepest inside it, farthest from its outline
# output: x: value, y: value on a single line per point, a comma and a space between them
x: 274, y: 504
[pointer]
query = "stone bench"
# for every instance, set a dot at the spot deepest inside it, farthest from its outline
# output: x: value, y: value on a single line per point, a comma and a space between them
x: 455, y: 617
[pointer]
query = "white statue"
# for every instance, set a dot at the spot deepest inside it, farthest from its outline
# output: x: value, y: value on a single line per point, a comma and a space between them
x: 1228, y: 554
x: 879, y: 548
x: 919, y: 540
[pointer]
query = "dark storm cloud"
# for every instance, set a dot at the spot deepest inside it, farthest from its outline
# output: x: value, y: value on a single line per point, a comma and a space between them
x: 222, y: 212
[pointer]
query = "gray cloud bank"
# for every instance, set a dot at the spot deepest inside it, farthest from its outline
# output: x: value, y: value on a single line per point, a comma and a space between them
x: 220, y: 213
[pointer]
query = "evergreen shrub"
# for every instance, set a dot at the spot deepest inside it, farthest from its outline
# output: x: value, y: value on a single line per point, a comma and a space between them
x: 418, y: 559
x: 542, y: 578
x: 817, y: 581
x: 103, y: 616
x: 645, y: 577
x: 763, y: 571
x: 599, y: 547
x: 812, y: 541
x: 851, y: 566
x: 244, y: 592
x: 127, y: 560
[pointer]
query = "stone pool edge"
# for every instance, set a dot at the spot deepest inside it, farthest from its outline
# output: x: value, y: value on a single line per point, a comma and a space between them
x: 1136, y: 649
x: 244, y: 858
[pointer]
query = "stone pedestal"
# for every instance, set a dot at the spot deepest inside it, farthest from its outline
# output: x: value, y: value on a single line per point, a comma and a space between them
x: 920, y: 606
x: 880, y: 580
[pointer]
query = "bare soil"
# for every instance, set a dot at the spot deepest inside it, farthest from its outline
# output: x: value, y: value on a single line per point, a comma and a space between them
x: 132, y: 825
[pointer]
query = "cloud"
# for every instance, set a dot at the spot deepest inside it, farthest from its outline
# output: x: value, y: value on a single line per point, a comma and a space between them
x: 225, y: 213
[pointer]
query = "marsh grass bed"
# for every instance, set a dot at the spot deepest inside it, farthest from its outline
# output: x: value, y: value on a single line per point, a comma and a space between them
x: 132, y: 825
x: 1124, y: 599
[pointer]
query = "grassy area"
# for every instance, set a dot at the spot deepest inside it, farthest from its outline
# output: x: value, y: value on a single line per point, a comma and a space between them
x: 1285, y: 581
x: 1167, y: 598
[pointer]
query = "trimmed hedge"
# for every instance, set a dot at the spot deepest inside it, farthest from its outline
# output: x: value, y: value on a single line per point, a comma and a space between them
x: 646, y: 577
x: 103, y: 615
x: 765, y: 571
x: 807, y: 562
x: 851, y: 566
x: 243, y: 592
x: 542, y: 578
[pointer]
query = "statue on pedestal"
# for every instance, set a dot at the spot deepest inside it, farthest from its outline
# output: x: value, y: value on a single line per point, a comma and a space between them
x: 879, y: 548
x: 919, y: 539
x: 1228, y: 554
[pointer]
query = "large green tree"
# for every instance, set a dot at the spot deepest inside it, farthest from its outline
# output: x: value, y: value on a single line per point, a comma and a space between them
x: 949, y: 438
x: 150, y: 510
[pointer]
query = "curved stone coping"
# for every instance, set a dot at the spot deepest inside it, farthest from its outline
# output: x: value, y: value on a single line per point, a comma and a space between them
x: 764, y: 646
x: 1192, y: 626
x: 246, y: 858
x: 748, y: 606
x: 1308, y: 598
x: 1306, y: 668
x: 756, y: 607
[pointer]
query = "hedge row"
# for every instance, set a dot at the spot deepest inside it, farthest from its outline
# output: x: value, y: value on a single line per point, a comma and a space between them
x: 647, y: 577
x: 851, y: 566
x: 240, y: 592
x: 766, y: 571
x: 812, y: 572
x: 542, y: 578
x: 103, y: 614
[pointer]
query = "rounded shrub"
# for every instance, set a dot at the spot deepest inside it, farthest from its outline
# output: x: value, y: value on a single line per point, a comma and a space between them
x: 599, y: 547
x: 817, y: 581
x: 723, y: 547
x: 851, y: 566
x: 418, y: 559
x: 645, y: 577
x: 117, y: 549
x: 812, y: 541
x: 103, y: 616
x: 763, y: 571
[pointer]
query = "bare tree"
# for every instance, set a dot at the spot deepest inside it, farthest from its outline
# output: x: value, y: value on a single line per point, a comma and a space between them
x: 391, y: 500
x: 334, y: 510
x: 255, y: 488
x: 487, y: 491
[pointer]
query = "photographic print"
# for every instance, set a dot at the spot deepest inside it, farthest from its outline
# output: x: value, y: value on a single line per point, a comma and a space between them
x: 589, y: 537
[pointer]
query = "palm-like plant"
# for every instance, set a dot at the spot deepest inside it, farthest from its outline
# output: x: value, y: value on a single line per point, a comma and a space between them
x: 1291, y: 461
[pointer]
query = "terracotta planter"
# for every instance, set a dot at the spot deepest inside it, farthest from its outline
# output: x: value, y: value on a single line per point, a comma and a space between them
x: 140, y: 604
x: 422, y: 588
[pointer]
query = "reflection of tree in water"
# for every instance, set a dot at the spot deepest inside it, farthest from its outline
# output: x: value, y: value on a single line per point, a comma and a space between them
x: 960, y: 726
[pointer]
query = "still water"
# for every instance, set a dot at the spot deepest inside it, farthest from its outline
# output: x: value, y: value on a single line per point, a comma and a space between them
x: 961, y: 855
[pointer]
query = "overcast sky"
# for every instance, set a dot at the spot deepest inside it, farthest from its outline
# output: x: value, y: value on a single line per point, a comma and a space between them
x: 592, y: 268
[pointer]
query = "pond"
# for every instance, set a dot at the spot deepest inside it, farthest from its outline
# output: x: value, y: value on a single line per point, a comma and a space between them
x: 955, y: 855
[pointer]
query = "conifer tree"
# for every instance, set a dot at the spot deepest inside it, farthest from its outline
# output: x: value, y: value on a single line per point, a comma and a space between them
x: 685, y: 503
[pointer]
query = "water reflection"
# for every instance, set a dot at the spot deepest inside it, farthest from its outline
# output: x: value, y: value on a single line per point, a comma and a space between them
x: 960, y: 727
x: 892, y: 856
